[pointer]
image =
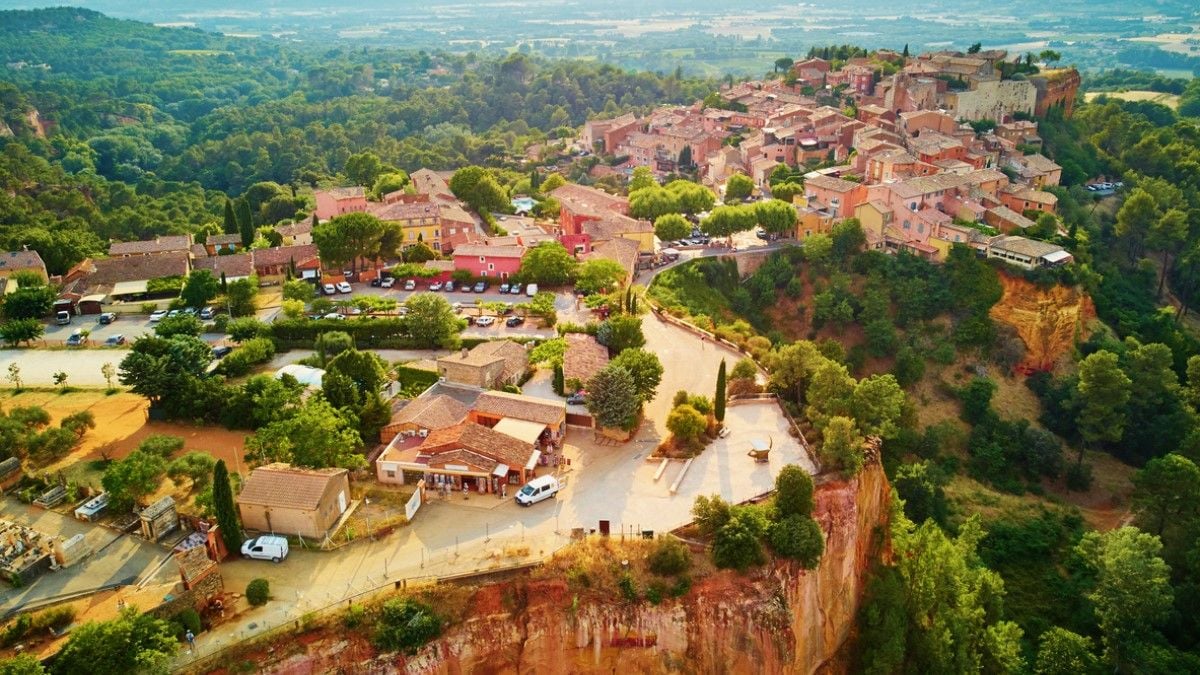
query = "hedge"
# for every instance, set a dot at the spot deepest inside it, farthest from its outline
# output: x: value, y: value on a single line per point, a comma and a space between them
x: 252, y: 352
x: 378, y: 333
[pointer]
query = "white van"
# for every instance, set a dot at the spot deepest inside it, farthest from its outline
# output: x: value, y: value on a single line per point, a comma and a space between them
x: 267, y: 547
x: 536, y: 490
x: 531, y: 290
x: 62, y: 318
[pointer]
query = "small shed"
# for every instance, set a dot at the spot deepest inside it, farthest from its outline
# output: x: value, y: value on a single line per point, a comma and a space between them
x: 159, y: 519
x: 291, y: 500
x: 91, y: 304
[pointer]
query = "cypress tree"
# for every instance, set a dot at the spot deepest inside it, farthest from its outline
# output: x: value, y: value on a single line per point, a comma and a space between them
x: 231, y: 529
x: 719, y: 399
x: 224, y: 284
x: 231, y: 226
x: 245, y: 222
x: 558, y: 383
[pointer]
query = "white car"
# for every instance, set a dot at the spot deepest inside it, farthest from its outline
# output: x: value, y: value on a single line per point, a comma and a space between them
x: 157, y: 315
x: 485, y: 321
x: 536, y: 490
x: 328, y: 289
x: 388, y: 282
x: 335, y: 316
x: 435, y: 286
x: 343, y: 287
x: 410, y: 285
x: 266, y: 547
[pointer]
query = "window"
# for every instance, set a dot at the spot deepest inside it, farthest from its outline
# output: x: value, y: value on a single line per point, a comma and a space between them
x: 906, y: 225
x: 920, y: 228
x: 491, y: 266
x: 912, y: 206
x: 452, y: 231
x: 390, y: 473
x: 482, y: 259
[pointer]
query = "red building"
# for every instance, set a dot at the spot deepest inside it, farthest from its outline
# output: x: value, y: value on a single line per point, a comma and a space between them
x: 481, y: 260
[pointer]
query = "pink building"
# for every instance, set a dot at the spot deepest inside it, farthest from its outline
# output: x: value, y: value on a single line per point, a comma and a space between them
x: 837, y: 196
x: 340, y: 201
x: 481, y: 260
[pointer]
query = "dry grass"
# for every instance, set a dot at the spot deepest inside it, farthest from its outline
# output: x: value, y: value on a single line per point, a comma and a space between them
x: 1169, y: 100
x: 595, y: 567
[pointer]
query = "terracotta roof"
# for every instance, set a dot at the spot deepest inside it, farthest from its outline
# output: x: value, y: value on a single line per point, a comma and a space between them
x: 12, y: 261
x: 294, y: 229
x: 285, y: 486
x: 282, y: 255
x: 504, y: 404
x: 1029, y: 247
x: 198, y: 251
x: 429, y: 183
x: 431, y: 412
x: 830, y: 183
x: 236, y: 265
x: 584, y: 357
x: 182, y: 242
x: 399, y: 211
x: 490, y: 251
x: 619, y: 249
x: 346, y: 192
x: 516, y: 359
x: 590, y: 200
x: 478, y: 439
x: 139, y: 268
x: 610, y: 225
x: 222, y: 239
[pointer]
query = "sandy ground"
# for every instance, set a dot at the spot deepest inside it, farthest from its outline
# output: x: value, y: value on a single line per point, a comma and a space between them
x: 1169, y: 100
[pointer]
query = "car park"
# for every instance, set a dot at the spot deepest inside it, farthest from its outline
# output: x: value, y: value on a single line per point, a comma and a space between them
x: 328, y: 289
x: 267, y: 547
x: 435, y: 286
x: 387, y: 282
x: 344, y: 287
x: 514, y: 321
x: 114, y: 340
x: 480, y: 287
x: 207, y: 313
x: 504, y: 288
x: 536, y: 490
x: 221, y: 351
x: 485, y: 321
x: 410, y: 285
x: 157, y: 315
x: 76, y: 339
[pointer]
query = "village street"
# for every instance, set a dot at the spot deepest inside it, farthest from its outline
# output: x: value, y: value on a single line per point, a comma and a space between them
x: 607, y: 481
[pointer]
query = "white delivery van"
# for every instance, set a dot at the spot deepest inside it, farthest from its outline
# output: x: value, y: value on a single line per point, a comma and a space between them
x: 267, y: 547
x: 531, y: 290
x: 543, y: 487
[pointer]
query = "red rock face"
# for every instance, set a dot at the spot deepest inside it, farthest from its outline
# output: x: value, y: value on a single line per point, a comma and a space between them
x: 1048, y: 320
x: 780, y: 619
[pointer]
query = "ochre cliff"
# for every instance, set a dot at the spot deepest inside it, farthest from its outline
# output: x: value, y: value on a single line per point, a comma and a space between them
x: 1048, y: 320
x: 779, y: 619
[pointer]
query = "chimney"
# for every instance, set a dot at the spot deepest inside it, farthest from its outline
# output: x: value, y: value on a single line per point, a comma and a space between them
x: 464, y: 352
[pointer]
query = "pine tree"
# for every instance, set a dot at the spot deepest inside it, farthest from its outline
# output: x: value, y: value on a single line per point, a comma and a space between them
x: 231, y: 226
x: 231, y: 529
x: 244, y: 221
x: 905, y: 52
x: 719, y: 399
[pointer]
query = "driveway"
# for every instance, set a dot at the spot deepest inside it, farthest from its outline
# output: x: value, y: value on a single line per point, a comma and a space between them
x: 116, y: 558
x: 131, y: 326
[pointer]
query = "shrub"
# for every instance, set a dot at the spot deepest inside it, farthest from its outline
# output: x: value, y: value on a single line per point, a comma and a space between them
x: 190, y: 620
x: 252, y: 352
x: 628, y: 588
x: 258, y: 592
x: 1079, y: 477
x: 798, y: 537
x: 655, y: 592
x: 711, y: 513
x: 405, y: 625
x: 17, y: 630
x: 669, y: 557
x: 682, y: 585
x: 736, y: 544
x: 793, y: 492
x: 354, y: 616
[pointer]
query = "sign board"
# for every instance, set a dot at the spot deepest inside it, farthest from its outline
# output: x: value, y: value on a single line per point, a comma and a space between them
x: 414, y: 503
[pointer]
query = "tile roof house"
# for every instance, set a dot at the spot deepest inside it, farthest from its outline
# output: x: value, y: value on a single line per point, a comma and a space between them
x: 424, y: 413
x: 620, y: 250
x: 583, y: 358
x: 1027, y: 253
x: 12, y: 262
x: 123, y: 277
x: 216, y: 244
x: 493, y: 406
x: 292, y: 500
x: 489, y: 364
x: 273, y: 262
x: 173, y: 243
x: 465, y: 454
x: 482, y: 260
x: 234, y: 267
x: 296, y: 233
x: 340, y: 201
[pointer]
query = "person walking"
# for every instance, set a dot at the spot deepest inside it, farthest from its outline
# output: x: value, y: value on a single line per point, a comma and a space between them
x: 191, y: 639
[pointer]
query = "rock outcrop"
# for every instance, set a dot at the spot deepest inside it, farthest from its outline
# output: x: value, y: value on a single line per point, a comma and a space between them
x: 780, y: 619
x: 1048, y: 320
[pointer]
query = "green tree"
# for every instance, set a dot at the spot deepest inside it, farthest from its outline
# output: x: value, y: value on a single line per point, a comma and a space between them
x: 1132, y: 594
x: 406, y: 625
x: 227, y: 516
x: 230, y: 225
x: 21, y: 330
x: 130, y: 643
x: 693, y: 198
x: 725, y: 221
x: 1166, y: 503
x: 22, y: 664
x: 787, y: 190
x: 258, y: 592
x: 686, y: 424
x: 719, y: 397
x: 612, y: 398
x: 711, y: 513
x: 133, y: 478
x: 201, y: 286
x: 877, y: 404
x: 475, y: 186
x: 1103, y: 392
x: 159, y: 368
x: 783, y: 63
x: 161, y: 445
x: 387, y: 183
x: 641, y: 179
x: 317, y: 435
x: 194, y: 466
x: 644, y: 367
x: 976, y: 399
x: 841, y: 446
x: 797, y: 537
x: 1167, y: 235
x: 672, y: 227
x: 419, y: 253
x: 1135, y: 218
x: 652, y: 202
x: 348, y: 238
x: 599, y: 275
x: 367, y: 370
x: 548, y: 264
x: 297, y: 289
x: 245, y: 221
x: 920, y: 486
x: 737, y: 544
x: 363, y: 168
x: 180, y: 324
x: 738, y: 187
x: 1063, y: 652
x: 793, y: 492
x: 619, y: 333
x: 431, y: 321
x: 555, y: 181
x: 29, y: 302
x: 240, y: 295
x: 777, y: 217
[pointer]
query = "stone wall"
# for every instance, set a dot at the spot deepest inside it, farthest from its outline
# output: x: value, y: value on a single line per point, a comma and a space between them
x: 996, y: 99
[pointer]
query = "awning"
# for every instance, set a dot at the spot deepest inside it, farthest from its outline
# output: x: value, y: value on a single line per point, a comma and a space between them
x: 501, y: 470
x: 129, y: 287
x: 1056, y: 256
x: 522, y: 430
x: 533, y: 460
x: 93, y: 298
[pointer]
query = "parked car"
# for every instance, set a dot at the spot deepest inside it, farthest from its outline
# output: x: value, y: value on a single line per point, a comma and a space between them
x: 221, y: 351
x: 578, y: 398
x: 207, y: 313
x: 191, y: 311
x: 175, y: 312
x: 377, y: 282
x: 724, y: 432
x: 267, y: 547
x: 504, y: 288
x: 344, y: 287
x: 448, y: 287
x: 114, y: 340
x: 515, y: 289
x: 514, y: 321
x: 76, y: 339
x: 156, y: 315
x: 485, y: 321
x: 435, y: 286
x: 531, y: 290
x: 536, y: 490
x: 410, y: 285
x: 63, y: 318
x: 107, y: 318
x: 480, y: 287
x: 458, y: 307
x: 328, y: 289
x: 388, y: 282
x: 335, y: 316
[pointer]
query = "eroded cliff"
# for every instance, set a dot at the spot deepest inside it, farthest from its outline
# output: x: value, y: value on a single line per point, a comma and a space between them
x: 779, y: 619
x: 1048, y: 320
